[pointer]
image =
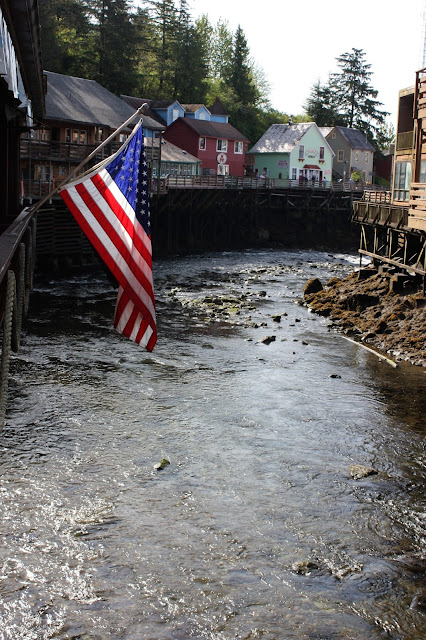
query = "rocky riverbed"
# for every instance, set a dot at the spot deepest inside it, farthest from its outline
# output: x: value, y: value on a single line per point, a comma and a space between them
x: 379, y: 308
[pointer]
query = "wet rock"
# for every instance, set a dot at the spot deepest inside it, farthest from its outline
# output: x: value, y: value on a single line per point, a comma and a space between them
x: 419, y: 602
x: 334, y: 280
x: 312, y: 286
x: 335, y: 375
x: 276, y: 318
x: 162, y: 464
x: 304, y: 567
x: 267, y: 340
x: 359, y: 471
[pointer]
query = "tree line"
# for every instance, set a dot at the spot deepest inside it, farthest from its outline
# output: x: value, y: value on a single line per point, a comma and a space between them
x: 156, y: 50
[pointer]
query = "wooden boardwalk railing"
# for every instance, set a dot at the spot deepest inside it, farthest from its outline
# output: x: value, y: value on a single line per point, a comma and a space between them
x: 17, y: 260
x: 417, y: 212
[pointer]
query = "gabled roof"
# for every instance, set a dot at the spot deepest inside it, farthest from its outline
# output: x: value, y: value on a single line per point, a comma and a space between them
x: 150, y: 119
x: 210, y: 129
x: 325, y: 130
x: 217, y: 108
x: 356, y: 139
x: 281, y: 138
x: 162, y: 104
x: 192, y: 108
x: 83, y: 101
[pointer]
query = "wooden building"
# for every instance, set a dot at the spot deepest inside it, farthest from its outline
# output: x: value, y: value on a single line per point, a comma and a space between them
x: 293, y: 152
x: 80, y: 114
x: 21, y: 94
x: 393, y: 224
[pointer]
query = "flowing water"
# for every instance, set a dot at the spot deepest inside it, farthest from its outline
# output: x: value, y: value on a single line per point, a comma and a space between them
x: 256, y: 529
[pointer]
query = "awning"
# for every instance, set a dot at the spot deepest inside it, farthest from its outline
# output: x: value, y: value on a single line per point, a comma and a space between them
x: 310, y: 166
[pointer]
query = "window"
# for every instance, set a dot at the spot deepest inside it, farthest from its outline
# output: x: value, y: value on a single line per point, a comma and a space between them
x: 340, y: 155
x: 79, y: 136
x: 238, y: 146
x: 294, y: 173
x: 366, y: 158
x: 175, y: 114
x: 321, y: 155
x: 202, y: 115
x: 223, y: 169
x: 202, y: 144
x: 333, y: 136
x: 301, y: 151
x: 222, y: 145
x: 99, y: 134
x: 122, y: 137
x: 67, y: 135
x: 402, y: 181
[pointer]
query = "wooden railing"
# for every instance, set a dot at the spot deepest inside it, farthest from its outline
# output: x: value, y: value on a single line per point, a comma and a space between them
x: 417, y: 207
x: 381, y: 196
x: 36, y: 189
x: 380, y: 213
x: 17, y: 259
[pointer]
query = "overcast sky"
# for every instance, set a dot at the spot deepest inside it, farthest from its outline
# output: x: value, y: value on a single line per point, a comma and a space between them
x: 296, y: 44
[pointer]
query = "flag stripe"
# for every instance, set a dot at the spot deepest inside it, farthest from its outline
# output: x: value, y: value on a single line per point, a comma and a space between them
x: 104, y: 244
x: 115, y: 231
x: 111, y: 205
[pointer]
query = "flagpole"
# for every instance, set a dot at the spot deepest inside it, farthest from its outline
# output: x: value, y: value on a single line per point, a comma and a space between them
x: 86, y: 160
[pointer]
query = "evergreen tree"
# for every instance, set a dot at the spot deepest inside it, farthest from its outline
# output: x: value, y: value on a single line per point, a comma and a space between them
x: 354, y: 94
x: 116, y: 45
x: 321, y: 106
x: 191, y: 66
x: 67, y: 37
x: 239, y: 72
x: 164, y: 15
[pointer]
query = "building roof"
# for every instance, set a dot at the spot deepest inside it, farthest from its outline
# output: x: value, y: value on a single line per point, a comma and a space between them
x: 210, y: 129
x: 171, y: 153
x: 325, y: 130
x: 150, y: 119
x: 281, y: 138
x: 192, y: 108
x: 84, y: 101
x: 355, y: 138
x: 217, y: 108
x: 24, y: 28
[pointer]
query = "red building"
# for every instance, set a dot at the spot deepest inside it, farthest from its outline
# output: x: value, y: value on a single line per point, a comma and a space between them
x: 219, y: 146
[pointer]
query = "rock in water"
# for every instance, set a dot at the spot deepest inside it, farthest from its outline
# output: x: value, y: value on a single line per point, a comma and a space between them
x: 359, y: 471
x: 162, y: 464
x: 312, y: 286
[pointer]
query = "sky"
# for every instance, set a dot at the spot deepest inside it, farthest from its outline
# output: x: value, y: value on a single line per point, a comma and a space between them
x: 296, y: 44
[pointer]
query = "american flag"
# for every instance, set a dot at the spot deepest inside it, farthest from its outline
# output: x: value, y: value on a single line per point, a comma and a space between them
x: 111, y: 205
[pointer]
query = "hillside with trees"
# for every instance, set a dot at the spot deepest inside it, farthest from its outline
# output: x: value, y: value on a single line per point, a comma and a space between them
x: 156, y: 50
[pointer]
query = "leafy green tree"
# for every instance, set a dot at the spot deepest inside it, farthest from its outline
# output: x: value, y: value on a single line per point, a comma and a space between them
x: 353, y: 92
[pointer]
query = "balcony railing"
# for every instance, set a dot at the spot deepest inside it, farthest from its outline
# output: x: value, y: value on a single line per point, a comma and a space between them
x: 70, y: 152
